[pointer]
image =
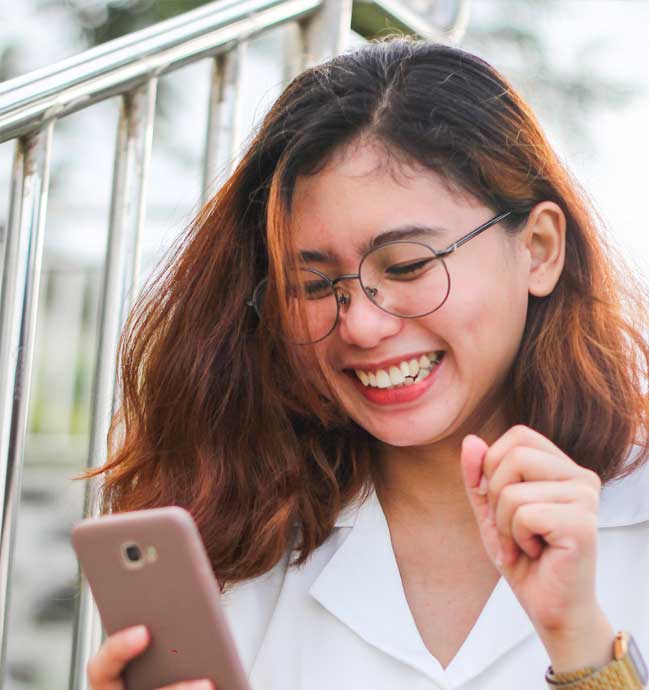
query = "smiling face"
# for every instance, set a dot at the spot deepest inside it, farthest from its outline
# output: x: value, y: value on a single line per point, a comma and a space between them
x: 349, y: 206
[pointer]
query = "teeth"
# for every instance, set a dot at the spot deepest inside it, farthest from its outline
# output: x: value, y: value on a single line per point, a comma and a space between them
x: 404, y: 374
x: 396, y: 377
x: 423, y: 373
x: 382, y: 379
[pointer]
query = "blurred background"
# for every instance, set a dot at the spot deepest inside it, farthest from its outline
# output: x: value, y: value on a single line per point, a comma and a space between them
x: 581, y: 64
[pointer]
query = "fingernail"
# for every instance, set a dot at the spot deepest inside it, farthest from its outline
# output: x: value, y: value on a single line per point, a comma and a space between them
x: 484, y: 486
x: 136, y: 635
x: 499, y: 558
x: 202, y: 685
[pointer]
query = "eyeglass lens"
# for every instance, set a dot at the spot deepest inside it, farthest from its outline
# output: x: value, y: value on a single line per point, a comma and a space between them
x: 405, y: 279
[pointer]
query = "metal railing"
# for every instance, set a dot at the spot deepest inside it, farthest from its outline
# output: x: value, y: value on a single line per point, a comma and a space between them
x: 129, y: 68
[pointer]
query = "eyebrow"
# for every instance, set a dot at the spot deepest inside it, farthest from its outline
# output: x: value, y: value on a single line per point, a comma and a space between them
x: 404, y: 232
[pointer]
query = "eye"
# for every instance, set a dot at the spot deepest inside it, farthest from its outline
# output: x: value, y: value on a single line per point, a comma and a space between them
x: 309, y: 284
x: 410, y: 269
x: 316, y: 289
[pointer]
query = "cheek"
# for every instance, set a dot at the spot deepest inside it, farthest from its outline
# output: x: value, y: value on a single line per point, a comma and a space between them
x: 486, y: 318
x: 313, y: 359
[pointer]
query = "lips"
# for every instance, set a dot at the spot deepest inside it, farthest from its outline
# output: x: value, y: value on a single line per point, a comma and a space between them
x: 405, y: 372
x: 398, y: 394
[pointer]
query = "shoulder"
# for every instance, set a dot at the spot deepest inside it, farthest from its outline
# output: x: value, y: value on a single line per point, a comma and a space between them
x: 625, y: 502
x: 623, y: 557
x: 250, y: 606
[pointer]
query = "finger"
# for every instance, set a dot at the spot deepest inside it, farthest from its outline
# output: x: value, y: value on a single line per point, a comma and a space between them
x: 513, y: 496
x: 202, y: 684
x: 519, y: 435
x: 562, y: 526
x: 471, y: 459
x: 472, y: 455
x: 105, y: 668
x: 522, y: 464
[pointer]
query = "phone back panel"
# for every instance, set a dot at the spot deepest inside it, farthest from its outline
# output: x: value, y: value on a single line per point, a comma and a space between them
x: 175, y: 594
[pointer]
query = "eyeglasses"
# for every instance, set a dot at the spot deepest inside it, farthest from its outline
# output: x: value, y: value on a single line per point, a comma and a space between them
x: 405, y: 278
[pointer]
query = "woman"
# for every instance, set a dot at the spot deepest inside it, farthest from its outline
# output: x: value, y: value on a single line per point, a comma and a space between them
x: 394, y: 444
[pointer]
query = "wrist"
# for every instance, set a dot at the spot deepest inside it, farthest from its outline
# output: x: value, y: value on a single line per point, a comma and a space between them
x: 591, y: 645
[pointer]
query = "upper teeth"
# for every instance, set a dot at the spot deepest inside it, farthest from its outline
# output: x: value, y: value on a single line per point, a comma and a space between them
x: 404, y: 373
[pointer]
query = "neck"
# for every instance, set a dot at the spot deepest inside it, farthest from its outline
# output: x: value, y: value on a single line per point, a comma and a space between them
x: 423, y: 485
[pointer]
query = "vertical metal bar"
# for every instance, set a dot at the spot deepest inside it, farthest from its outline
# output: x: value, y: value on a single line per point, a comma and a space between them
x: 327, y: 33
x: 24, y: 252
x: 224, y: 117
x: 293, y: 57
x: 214, y: 115
x: 460, y: 23
x: 4, y: 230
x: 235, y: 97
x: 120, y: 282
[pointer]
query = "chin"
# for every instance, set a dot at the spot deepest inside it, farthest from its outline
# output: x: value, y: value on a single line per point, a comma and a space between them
x: 402, y: 435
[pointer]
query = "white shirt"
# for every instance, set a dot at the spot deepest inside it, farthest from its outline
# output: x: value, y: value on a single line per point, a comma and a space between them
x: 342, y: 621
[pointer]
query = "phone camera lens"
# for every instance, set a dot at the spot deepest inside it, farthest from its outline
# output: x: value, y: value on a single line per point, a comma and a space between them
x: 133, y: 553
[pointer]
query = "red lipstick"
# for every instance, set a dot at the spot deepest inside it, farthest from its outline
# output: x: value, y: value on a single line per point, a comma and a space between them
x: 396, y: 396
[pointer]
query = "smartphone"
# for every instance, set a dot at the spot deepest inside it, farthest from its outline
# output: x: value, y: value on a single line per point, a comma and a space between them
x: 150, y: 567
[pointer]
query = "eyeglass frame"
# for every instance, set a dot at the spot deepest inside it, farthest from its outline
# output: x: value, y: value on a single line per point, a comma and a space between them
x: 343, y: 299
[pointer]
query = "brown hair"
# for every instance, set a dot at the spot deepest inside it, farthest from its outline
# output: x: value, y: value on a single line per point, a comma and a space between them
x: 215, y: 413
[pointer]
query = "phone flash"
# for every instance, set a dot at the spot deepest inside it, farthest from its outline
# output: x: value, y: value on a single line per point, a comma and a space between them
x: 151, y: 554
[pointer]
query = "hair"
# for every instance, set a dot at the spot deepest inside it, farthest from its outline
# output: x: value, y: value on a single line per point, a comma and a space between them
x: 216, y: 414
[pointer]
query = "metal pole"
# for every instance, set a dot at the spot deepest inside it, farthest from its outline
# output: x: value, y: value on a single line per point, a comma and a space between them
x: 326, y: 33
x: 215, y: 104
x: 456, y: 30
x: 224, y: 117
x: 24, y: 251
x: 132, y: 156
x: 23, y: 109
x: 372, y: 17
x: 172, y: 28
x: 233, y: 95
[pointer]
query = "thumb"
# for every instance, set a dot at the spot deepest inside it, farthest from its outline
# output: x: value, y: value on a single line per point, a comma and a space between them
x: 471, y: 459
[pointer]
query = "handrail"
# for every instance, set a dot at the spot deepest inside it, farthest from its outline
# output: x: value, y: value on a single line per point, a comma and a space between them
x: 26, y: 106
x: 373, y: 17
x: 115, y: 45
x: 27, y: 101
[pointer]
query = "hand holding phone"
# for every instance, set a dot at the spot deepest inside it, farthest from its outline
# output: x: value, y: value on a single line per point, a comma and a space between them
x: 149, y: 567
x: 105, y: 669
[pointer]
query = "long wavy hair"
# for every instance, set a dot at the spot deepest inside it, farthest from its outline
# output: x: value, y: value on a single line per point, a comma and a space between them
x: 216, y: 413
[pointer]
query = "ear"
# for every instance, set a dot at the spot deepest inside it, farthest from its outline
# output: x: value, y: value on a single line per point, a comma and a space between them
x: 545, y: 240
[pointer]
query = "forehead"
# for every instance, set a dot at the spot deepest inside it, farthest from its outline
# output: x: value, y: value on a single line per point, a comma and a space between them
x: 362, y: 192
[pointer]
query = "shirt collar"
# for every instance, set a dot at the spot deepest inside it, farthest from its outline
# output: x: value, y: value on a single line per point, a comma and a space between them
x: 362, y: 587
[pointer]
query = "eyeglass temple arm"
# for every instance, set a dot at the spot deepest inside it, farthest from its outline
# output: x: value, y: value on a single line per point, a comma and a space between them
x: 452, y: 247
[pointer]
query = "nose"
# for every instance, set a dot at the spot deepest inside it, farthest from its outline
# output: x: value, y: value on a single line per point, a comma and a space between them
x: 361, y: 322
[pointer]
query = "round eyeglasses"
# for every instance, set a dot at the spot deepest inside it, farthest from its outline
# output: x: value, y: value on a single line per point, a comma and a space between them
x: 405, y: 278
